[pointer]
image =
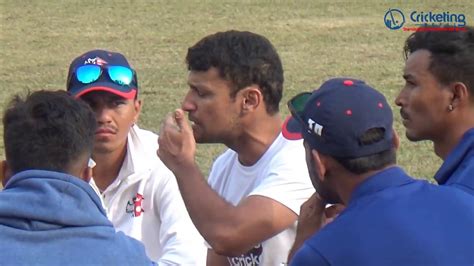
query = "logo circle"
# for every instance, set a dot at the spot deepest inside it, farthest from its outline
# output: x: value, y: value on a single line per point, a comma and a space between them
x: 394, y: 19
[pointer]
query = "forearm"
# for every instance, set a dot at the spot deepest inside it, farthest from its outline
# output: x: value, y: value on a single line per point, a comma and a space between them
x: 214, y: 218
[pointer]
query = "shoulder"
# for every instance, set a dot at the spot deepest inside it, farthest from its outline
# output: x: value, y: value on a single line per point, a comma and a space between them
x: 287, y: 157
x: 308, y: 255
x: 287, y: 150
x: 143, y: 135
x: 224, y: 160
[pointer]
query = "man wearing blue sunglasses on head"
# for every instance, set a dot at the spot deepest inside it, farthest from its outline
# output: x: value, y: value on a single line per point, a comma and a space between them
x: 140, y: 194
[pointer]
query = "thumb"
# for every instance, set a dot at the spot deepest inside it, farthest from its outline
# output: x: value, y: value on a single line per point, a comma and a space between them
x: 181, y: 120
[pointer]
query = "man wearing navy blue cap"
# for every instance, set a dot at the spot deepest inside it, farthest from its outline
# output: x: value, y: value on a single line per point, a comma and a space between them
x: 390, y: 218
x: 140, y: 194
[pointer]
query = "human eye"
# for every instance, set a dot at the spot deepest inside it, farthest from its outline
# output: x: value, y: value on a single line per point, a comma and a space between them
x: 117, y: 102
x: 410, y: 83
x: 93, y: 104
x: 198, y: 91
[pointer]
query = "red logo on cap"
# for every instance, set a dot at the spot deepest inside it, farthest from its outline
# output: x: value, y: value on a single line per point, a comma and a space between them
x: 348, y: 82
x: 95, y: 61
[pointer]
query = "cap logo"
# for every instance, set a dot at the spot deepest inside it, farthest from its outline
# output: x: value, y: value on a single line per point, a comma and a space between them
x: 315, y: 127
x: 95, y: 61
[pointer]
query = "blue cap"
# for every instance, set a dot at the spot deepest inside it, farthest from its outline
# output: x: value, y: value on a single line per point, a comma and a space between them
x: 337, y: 114
x: 101, y: 58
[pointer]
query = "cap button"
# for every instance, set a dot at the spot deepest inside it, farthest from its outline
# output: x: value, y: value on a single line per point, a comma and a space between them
x: 348, y: 82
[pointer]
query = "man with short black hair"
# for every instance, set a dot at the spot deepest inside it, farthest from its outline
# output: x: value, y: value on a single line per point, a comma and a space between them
x: 49, y: 215
x: 437, y: 101
x: 248, y: 209
x: 390, y: 218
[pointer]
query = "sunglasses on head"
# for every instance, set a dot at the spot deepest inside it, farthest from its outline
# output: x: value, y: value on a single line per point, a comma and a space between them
x: 120, y: 75
x: 296, y: 106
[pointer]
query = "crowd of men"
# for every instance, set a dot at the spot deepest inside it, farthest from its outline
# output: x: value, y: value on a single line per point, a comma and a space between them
x: 84, y: 185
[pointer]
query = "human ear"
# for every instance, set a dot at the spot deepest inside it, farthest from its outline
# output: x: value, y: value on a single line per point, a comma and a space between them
x: 460, y: 95
x: 137, y: 104
x: 395, y: 139
x: 5, y: 172
x: 320, y: 164
x: 251, y: 98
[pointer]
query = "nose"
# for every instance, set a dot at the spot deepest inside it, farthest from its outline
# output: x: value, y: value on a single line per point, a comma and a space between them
x: 188, y: 104
x: 401, y: 98
x: 103, y: 115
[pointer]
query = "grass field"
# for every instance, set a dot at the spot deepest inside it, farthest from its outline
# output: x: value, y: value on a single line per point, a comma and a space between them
x: 316, y: 40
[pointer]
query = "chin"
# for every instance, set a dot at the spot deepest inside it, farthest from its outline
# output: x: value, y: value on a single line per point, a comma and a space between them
x: 102, y: 148
x: 198, y: 138
x: 413, y: 137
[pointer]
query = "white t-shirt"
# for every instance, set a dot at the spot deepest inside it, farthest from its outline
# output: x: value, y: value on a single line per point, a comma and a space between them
x: 280, y: 174
x: 145, y: 203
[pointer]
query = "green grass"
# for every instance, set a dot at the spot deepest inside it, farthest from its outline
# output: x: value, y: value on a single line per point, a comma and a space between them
x: 316, y: 40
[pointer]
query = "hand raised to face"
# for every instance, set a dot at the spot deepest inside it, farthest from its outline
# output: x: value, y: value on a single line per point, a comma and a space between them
x: 177, y: 146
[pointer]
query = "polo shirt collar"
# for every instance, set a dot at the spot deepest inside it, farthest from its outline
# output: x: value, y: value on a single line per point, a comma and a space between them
x: 390, y: 177
x: 455, y: 157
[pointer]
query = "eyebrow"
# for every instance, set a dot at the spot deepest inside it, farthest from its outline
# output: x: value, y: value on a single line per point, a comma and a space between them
x: 407, y: 76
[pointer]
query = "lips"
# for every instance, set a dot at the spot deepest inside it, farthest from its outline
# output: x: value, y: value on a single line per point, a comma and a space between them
x: 404, y: 115
x: 105, y: 130
x: 192, y: 120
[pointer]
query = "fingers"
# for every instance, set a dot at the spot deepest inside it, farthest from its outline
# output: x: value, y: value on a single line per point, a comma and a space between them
x: 181, y: 120
x: 313, y: 206
x: 334, y: 210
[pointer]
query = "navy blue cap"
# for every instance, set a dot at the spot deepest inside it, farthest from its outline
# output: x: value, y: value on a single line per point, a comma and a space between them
x: 337, y: 114
x: 101, y: 58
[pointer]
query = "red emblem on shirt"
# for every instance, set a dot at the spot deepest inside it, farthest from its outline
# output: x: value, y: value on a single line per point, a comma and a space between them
x: 134, y: 206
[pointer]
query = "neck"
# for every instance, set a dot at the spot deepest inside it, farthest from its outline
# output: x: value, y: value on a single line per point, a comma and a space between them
x: 256, y: 138
x: 349, y: 183
x: 460, y: 124
x: 108, y: 166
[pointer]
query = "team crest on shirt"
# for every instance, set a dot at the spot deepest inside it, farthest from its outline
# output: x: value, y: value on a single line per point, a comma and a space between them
x: 253, y: 257
x: 134, y: 206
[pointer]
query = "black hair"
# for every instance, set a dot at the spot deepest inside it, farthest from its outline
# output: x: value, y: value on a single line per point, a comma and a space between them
x: 452, y: 54
x: 48, y: 130
x: 243, y: 58
x: 371, y: 162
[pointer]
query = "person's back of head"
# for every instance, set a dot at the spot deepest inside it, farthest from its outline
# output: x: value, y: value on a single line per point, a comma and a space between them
x: 348, y: 121
x: 48, y: 137
x: 48, y: 130
x: 243, y: 58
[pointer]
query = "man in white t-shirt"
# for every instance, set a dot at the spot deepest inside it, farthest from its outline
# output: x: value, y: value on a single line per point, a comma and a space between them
x: 248, y: 211
x: 140, y: 194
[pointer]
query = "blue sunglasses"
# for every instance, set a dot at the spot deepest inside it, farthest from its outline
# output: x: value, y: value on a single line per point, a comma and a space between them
x: 120, y: 75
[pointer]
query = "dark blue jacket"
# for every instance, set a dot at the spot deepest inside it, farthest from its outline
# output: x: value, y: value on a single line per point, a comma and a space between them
x: 50, y: 218
x: 393, y: 219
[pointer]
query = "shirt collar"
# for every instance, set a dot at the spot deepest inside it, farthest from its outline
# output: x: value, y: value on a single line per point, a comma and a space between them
x: 390, y: 177
x: 455, y: 157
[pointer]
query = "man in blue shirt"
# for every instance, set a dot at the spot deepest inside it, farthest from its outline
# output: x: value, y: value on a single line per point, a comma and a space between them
x: 437, y: 101
x: 390, y: 218
x: 49, y: 215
